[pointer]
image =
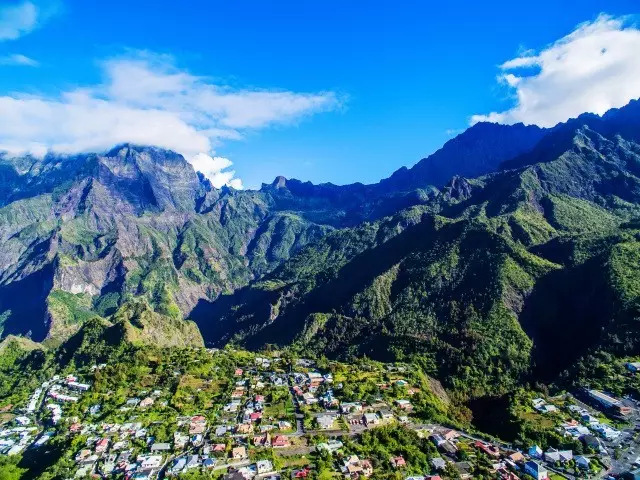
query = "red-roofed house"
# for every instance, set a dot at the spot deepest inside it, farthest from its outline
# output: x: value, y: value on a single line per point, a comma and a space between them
x: 280, y: 441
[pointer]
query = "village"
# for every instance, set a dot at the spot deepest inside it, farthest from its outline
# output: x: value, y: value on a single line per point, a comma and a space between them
x: 273, y: 418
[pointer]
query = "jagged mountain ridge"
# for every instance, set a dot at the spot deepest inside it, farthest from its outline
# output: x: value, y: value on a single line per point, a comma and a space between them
x: 83, y: 235
x: 138, y: 221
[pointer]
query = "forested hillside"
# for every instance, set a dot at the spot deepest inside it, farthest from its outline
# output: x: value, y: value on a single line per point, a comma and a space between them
x: 489, y: 282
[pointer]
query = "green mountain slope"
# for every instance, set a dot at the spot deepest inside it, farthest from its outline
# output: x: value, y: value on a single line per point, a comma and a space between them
x: 488, y: 282
x: 138, y: 221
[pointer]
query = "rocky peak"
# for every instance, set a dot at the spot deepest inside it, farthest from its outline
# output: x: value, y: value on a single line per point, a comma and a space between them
x: 279, y: 182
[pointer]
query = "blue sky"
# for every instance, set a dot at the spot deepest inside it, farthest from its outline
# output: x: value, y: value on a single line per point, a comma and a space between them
x: 321, y: 91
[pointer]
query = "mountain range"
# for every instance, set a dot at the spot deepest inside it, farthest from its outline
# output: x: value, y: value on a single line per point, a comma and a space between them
x: 511, y: 254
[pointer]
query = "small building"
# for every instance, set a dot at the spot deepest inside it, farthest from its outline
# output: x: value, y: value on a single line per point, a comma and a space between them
x: 102, y: 445
x: 398, y: 462
x: 590, y: 441
x: 535, y: 451
x: 385, y: 414
x: 404, y: 405
x: 239, y: 453
x: 330, y: 446
x: 264, y: 466
x: 537, y: 471
x: 438, y: 463
x: 582, y: 462
x: 370, y: 419
x: 160, y: 447
x: 516, y: 457
x: 325, y: 422
x: 280, y: 441
x: 553, y: 456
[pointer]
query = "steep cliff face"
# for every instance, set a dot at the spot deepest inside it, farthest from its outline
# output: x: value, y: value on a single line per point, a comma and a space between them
x: 135, y: 221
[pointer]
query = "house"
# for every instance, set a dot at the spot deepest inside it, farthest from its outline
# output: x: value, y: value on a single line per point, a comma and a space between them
x: 150, y: 462
x: 280, y: 441
x: 264, y: 466
x: 547, y: 408
x: 244, y: 428
x: 350, y: 407
x: 516, y: 457
x: 633, y: 366
x: 309, y: 399
x: 537, y: 471
x: 590, y: 441
x: 239, y: 453
x: 160, y: 447
x: 449, y: 448
x: 82, y: 455
x: 221, y: 431
x: 218, y: 447
x: 102, y: 445
x: 180, y: 440
x: 208, y: 463
x: 370, y: 419
x: 301, y: 473
x: 146, y: 402
x: 284, y: 425
x: 81, y: 387
x: 438, y: 463
x: 353, y: 467
x: 577, y: 431
x: 489, y: 449
x: 262, y: 440
x: 193, y: 461
x: 582, y: 462
x: 385, y: 414
x: 238, y: 372
x: 404, y: 405
x: 178, y: 465
x: 255, y: 416
x: 608, y: 402
x: 535, y: 451
x: 554, y: 455
x: 464, y: 469
x: 330, y: 446
x: 449, y: 434
x: 607, y: 432
x: 325, y: 422
x: 398, y: 462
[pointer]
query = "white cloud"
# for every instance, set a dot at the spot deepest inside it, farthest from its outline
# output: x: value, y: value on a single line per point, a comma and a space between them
x: 215, y: 169
x: 145, y: 99
x: 593, y: 69
x: 19, y: 60
x: 19, y: 19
